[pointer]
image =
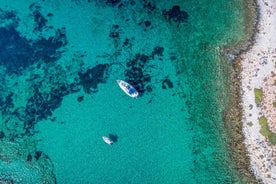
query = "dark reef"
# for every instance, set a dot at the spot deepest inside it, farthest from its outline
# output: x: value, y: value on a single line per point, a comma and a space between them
x: 38, y: 154
x: 149, y: 6
x: 6, y: 103
x: 40, y: 106
x: 9, y: 15
x: 40, y: 20
x: 17, y: 52
x: 135, y: 72
x: 80, y: 98
x: 112, y: 2
x: 158, y: 51
x: 138, y: 70
x: 175, y: 14
x: 167, y: 83
x: 114, y: 33
x: 92, y: 77
x: 147, y: 23
x: 2, y: 134
x: 29, y: 157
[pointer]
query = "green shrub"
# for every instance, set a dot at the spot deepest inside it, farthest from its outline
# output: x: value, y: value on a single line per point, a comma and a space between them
x: 265, y: 130
x: 263, y: 121
x: 274, y: 104
x: 258, y: 95
x: 272, y: 138
x: 264, y: 126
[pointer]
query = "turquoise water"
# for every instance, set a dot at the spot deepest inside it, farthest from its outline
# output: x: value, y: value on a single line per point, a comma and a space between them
x: 59, y: 64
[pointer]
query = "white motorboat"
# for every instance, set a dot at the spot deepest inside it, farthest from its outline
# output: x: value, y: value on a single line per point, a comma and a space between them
x: 128, y: 89
x: 107, y: 140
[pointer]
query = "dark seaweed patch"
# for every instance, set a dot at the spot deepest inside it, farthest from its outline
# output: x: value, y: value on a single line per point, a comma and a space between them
x: 2, y: 134
x: 48, y: 49
x: 17, y: 53
x: 29, y: 157
x: 135, y: 72
x: 92, y: 77
x: 148, y: 6
x: 158, y: 51
x: 147, y: 23
x: 126, y: 42
x: 173, y: 58
x: 132, y: 3
x: 38, y: 154
x: 114, y: 33
x: 41, y: 105
x: 53, y: 119
x: 167, y: 83
x: 8, y: 102
x: 80, y: 98
x: 10, y: 16
x: 19, y: 113
x: 175, y: 14
x: 50, y: 15
x: 31, y: 6
x: 112, y: 2
x: 40, y: 20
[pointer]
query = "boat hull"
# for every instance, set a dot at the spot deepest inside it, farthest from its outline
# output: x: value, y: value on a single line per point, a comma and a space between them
x: 107, y: 140
x: 128, y: 89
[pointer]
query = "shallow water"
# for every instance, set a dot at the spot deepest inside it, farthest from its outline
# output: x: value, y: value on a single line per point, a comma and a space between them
x: 59, y: 96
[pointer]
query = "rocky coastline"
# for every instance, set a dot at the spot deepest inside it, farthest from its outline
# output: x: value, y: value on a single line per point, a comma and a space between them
x: 252, y: 68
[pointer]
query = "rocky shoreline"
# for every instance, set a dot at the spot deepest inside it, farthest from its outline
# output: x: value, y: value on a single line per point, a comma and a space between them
x: 259, y: 122
x: 252, y: 152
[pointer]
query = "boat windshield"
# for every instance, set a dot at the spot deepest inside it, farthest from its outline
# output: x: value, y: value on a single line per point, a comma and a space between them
x: 132, y: 91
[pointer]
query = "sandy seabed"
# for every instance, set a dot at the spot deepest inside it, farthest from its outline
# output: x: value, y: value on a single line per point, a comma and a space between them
x: 259, y: 71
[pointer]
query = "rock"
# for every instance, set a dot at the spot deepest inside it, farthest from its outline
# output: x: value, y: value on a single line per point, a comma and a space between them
x: 175, y: 14
x: 2, y: 134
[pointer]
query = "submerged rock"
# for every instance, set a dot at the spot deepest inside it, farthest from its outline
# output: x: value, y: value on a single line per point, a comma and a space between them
x: 158, y: 50
x: 149, y: 6
x: 92, y: 77
x: 112, y: 2
x: 147, y: 23
x: 167, y: 83
x: 2, y: 134
x: 29, y: 157
x: 38, y: 154
x: 17, y: 52
x: 80, y: 98
x: 175, y: 14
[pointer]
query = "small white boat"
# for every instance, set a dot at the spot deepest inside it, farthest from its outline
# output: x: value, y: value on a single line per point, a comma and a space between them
x: 107, y: 140
x: 128, y: 89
